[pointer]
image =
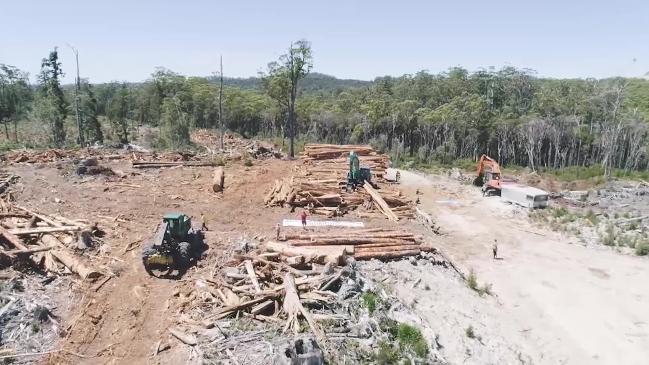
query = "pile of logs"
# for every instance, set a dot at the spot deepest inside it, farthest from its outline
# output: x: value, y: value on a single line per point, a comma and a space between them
x: 330, y: 159
x: 29, y: 156
x: 274, y: 284
x: 364, y: 244
x: 44, y: 240
x: 321, y: 187
x: 314, y: 151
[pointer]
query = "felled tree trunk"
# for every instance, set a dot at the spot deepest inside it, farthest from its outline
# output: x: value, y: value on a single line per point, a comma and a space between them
x: 67, y: 259
x: 218, y: 182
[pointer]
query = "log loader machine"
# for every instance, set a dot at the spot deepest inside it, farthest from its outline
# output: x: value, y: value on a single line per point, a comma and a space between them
x: 488, y: 175
x: 357, y: 175
x: 173, y: 247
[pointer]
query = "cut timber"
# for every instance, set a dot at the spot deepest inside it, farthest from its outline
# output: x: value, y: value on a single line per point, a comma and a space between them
x: 39, y: 230
x: 293, y: 307
x: 291, y: 304
x: 262, y: 307
x: 13, y: 239
x: 383, y: 206
x: 351, y: 241
x: 40, y: 216
x: 187, y: 339
x: 252, y: 275
x: 218, y: 181
x: 158, y: 164
x: 384, y: 248
x: 385, y: 254
x: 225, y: 311
x: 294, y: 260
x: 320, y: 255
x: 67, y: 259
x: 30, y: 250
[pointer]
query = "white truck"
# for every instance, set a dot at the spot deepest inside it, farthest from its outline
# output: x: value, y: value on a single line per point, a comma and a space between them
x: 524, y: 195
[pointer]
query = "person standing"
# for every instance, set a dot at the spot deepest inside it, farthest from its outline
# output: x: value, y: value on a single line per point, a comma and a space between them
x: 203, y: 224
x: 303, y: 218
x: 495, y: 249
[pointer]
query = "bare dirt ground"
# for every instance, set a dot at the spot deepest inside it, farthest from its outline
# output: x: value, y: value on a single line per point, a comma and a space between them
x: 122, y: 322
x: 554, y: 300
x: 557, y: 301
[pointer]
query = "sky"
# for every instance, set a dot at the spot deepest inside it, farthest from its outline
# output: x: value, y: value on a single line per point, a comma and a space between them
x: 122, y: 40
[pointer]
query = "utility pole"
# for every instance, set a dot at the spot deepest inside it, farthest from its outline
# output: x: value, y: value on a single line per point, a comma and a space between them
x: 77, y: 89
x: 221, y: 105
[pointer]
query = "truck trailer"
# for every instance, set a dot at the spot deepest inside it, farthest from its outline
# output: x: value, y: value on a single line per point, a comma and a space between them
x: 524, y: 195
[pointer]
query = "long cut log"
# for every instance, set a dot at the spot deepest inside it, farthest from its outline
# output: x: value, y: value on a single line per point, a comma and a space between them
x: 385, y: 254
x: 252, y: 275
x: 40, y: 216
x: 293, y: 307
x: 386, y: 248
x: 39, y: 230
x: 383, y: 206
x: 67, y: 259
x: 12, y: 239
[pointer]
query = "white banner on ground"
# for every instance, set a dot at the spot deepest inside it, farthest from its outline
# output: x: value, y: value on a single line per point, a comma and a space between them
x: 298, y: 223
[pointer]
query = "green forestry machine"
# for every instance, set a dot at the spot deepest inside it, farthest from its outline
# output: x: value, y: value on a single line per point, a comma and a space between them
x: 174, y: 245
x: 357, y: 175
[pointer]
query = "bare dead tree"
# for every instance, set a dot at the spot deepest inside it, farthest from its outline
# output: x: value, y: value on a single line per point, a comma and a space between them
x: 77, y: 90
x: 221, y: 122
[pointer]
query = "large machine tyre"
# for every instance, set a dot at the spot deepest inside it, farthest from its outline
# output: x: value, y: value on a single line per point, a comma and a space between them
x: 184, y: 254
x: 147, y: 251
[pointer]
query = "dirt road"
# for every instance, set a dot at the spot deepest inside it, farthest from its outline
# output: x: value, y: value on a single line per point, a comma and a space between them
x: 574, y: 305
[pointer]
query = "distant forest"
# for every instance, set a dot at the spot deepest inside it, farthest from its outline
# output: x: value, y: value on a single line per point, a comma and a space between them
x: 509, y: 113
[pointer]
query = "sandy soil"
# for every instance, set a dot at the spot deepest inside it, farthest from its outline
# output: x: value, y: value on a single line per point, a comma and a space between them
x: 559, y: 302
x: 122, y: 322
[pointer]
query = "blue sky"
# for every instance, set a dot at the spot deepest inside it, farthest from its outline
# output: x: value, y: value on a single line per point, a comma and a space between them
x: 126, y: 40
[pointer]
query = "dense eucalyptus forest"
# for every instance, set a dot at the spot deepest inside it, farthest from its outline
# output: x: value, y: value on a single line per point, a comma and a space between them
x: 508, y: 113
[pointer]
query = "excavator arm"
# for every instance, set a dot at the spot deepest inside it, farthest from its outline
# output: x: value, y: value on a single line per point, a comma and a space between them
x: 488, y: 174
x: 486, y: 161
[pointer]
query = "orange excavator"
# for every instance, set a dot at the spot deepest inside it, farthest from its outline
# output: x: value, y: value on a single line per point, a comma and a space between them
x: 488, y: 175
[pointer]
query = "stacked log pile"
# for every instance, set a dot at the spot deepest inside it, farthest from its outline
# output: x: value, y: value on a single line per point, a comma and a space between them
x: 321, y: 185
x: 365, y: 244
x: 330, y: 159
x: 44, y: 241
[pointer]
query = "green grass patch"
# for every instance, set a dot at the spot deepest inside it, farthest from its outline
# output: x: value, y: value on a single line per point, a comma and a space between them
x: 608, y: 238
x: 371, y: 301
x: 410, y: 337
x: 472, y: 283
x: 387, y: 354
x: 642, y: 248
x: 404, y: 339
x: 591, y: 217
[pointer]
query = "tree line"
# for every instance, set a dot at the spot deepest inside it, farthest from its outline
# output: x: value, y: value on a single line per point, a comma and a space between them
x: 509, y: 113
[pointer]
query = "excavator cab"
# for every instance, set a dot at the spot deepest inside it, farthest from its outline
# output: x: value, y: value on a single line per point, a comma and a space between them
x: 357, y: 174
x: 488, y: 175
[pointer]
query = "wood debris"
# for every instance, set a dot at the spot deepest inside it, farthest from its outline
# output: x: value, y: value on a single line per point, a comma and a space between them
x: 39, y: 238
x: 320, y: 185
